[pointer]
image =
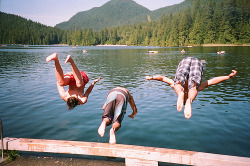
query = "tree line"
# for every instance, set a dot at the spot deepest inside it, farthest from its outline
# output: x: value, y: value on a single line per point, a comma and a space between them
x: 210, y: 23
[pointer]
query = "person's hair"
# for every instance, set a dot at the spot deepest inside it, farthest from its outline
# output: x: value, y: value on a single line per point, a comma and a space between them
x: 72, y: 102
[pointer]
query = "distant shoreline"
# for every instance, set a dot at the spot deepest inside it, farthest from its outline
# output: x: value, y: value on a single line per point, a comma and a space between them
x: 202, y: 45
x: 111, y: 45
x: 219, y: 45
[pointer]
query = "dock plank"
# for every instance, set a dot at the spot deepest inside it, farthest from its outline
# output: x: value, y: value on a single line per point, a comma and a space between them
x: 131, y: 153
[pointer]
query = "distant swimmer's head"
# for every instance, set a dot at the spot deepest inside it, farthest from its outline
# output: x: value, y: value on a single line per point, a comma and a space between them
x: 72, y: 102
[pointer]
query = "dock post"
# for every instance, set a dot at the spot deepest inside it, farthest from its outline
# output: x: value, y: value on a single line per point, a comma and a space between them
x: 139, y: 162
x: 1, y: 126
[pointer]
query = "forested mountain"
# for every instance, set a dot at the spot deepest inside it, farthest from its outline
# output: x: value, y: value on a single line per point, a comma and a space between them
x: 113, y: 13
x: 121, y: 12
x: 202, y: 22
x: 17, y: 30
x: 157, y: 14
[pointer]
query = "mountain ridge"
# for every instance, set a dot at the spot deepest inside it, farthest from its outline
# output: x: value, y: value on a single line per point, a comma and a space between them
x: 105, y: 16
x: 112, y: 13
x: 122, y: 12
x: 212, y: 22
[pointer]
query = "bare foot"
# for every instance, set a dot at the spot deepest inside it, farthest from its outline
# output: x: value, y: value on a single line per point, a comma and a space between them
x: 68, y: 59
x: 180, y: 101
x: 112, y: 138
x: 101, y: 129
x: 51, y: 57
x: 188, y: 109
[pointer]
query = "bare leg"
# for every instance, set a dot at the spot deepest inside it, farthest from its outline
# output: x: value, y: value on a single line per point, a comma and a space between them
x: 188, y: 109
x: 180, y: 94
x: 114, y: 128
x: 76, y: 72
x: 192, y: 93
x: 101, y: 129
x: 58, y: 68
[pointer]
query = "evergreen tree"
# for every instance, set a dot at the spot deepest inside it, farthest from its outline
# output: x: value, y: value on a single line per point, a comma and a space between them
x: 201, y: 22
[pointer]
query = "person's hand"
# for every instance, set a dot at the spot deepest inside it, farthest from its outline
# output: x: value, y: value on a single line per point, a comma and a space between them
x: 234, y: 72
x: 132, y: 115
x: 149, y: 77
x: 96, y: 80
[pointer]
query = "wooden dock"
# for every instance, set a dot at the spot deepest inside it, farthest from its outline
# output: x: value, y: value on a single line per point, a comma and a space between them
x: 134, y: 155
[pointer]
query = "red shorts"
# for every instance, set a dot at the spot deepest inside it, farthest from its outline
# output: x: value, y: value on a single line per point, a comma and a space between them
x: 72, y: 80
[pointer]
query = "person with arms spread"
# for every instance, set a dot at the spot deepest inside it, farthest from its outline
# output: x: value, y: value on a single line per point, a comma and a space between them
x: 187, y: 82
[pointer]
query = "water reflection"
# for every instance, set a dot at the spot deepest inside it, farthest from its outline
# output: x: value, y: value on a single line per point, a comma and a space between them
x: 32, y: 108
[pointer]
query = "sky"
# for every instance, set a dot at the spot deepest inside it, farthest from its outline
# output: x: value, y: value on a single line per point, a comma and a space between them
x: 52, y: 12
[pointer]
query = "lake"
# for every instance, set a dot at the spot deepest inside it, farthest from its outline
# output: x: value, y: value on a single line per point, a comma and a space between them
x: 32, y: 108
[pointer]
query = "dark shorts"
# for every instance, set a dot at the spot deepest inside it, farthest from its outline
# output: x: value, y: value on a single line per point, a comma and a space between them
x: 190, y: 69
x: 116, y: 105
x: 72, y: 81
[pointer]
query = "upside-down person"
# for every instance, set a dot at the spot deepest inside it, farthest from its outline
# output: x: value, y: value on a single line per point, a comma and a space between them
x: 76, y: 80
x: 187, y: 82
x: 114, y: 111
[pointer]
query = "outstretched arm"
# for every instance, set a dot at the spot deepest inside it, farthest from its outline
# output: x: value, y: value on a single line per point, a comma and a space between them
x: 161, y: 78
x: 133, y: 106
x: 89, y: 90
x: 216, y: 80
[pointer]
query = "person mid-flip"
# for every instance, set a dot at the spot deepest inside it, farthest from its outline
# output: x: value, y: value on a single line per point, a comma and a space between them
x: 76, y: 80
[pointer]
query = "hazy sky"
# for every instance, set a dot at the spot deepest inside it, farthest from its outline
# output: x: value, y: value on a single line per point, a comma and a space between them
x: 52, y: 12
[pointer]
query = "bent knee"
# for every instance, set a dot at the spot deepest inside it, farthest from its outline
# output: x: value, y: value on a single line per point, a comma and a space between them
x: 116, y: 126
x: 107, y: 121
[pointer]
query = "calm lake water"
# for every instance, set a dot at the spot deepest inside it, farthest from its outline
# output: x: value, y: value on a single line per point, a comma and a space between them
x: 32, y: 108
